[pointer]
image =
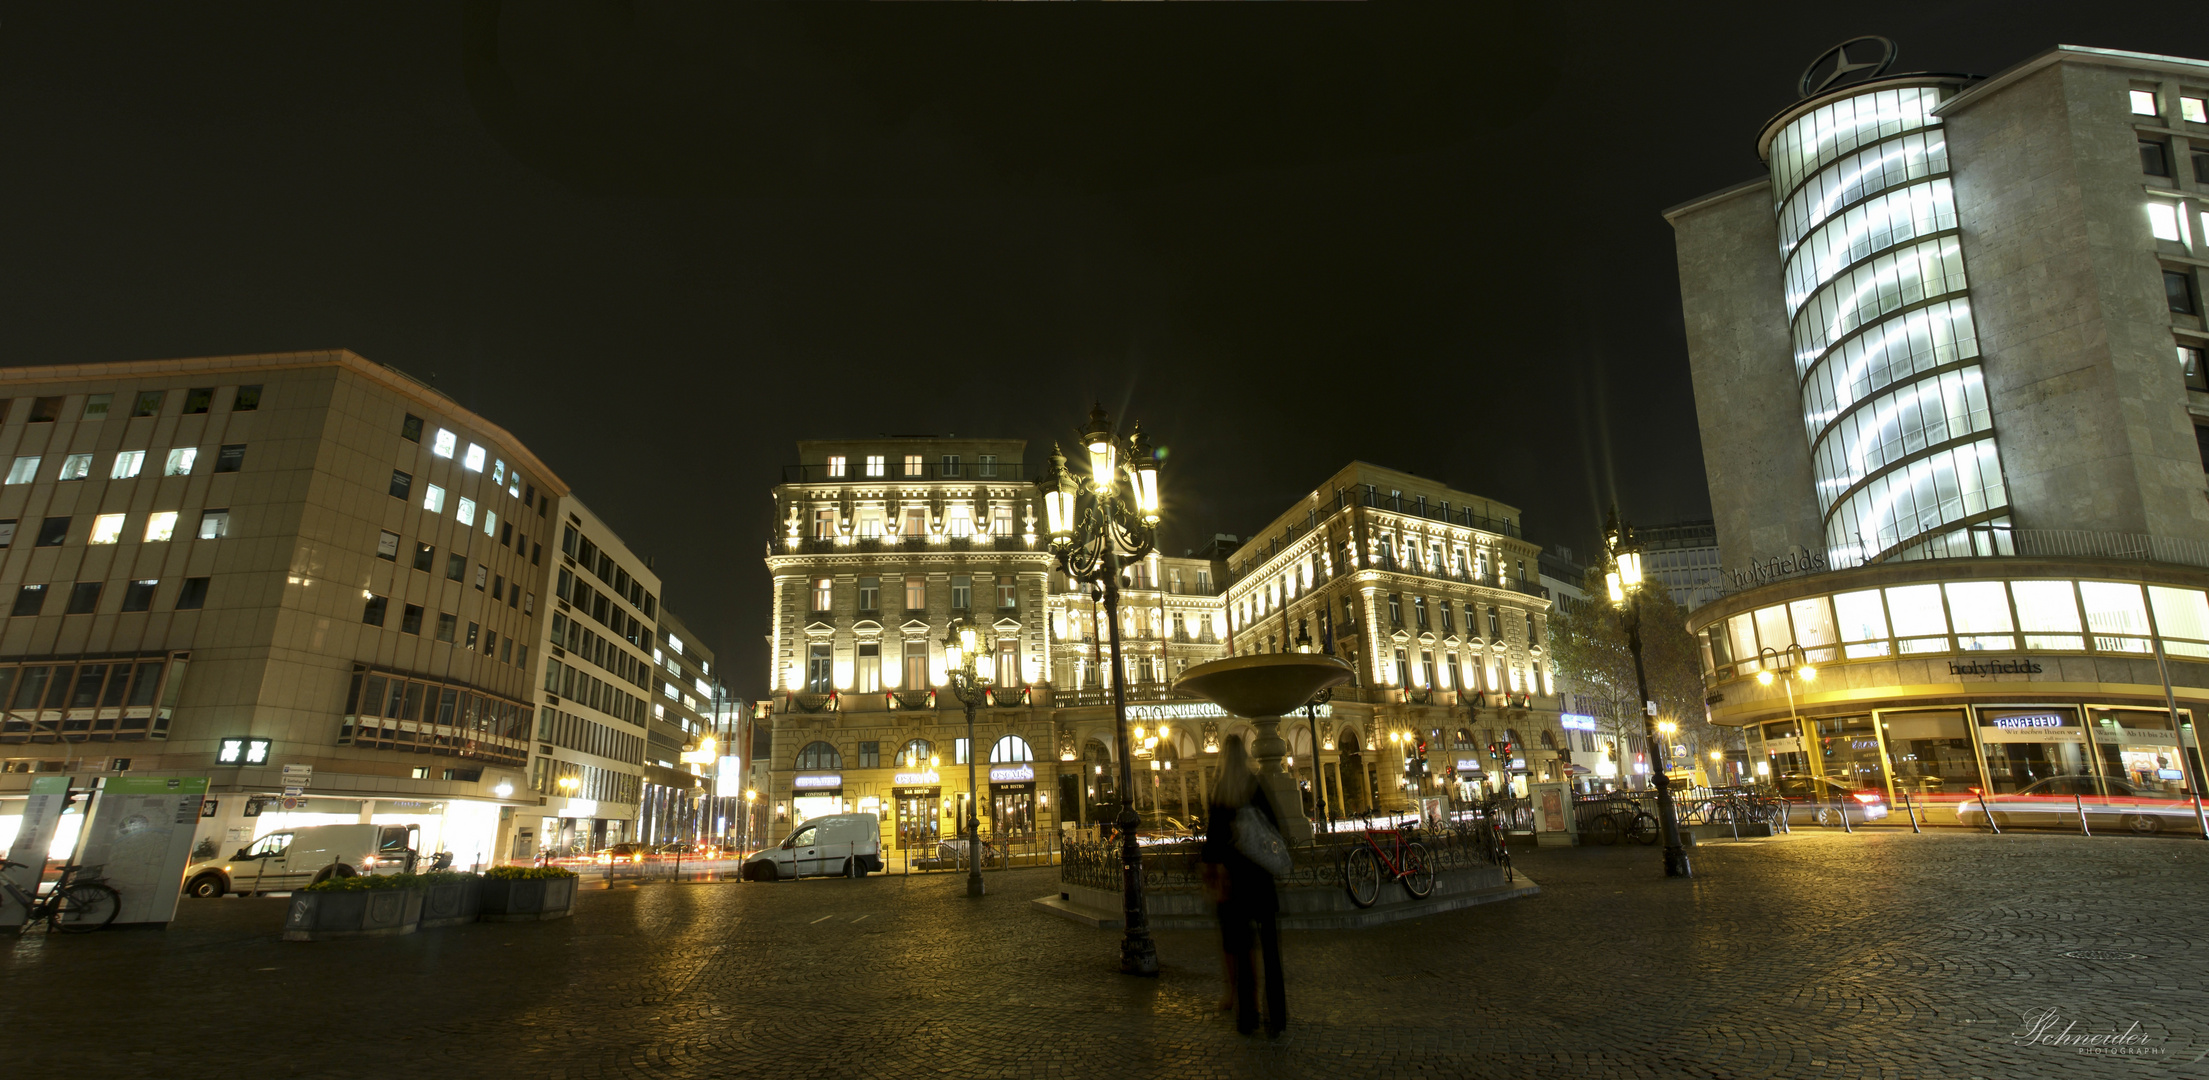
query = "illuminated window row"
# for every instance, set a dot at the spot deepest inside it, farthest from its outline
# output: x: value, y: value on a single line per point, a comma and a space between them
x: 126, y: 465
x: 1965, y: 616
x: 1831, y: 131
x: 195, y: 402
x: 1894, y: 218
x: 1865, y: 173
x: 109, y: 528
x: 1921, y: 497
x: 1892, y: 352
x: 1927, y: 413
x: 2170, y: 221
x: 1896, y: 280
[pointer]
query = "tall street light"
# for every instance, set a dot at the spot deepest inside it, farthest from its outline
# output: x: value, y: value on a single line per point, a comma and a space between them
x: 1097, y: 523
x: 960, y: 648
x: 1625, y: 582
x: 1311, y: 724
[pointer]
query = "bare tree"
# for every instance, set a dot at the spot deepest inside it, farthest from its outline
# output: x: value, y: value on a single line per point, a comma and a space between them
x: 1588, y: 645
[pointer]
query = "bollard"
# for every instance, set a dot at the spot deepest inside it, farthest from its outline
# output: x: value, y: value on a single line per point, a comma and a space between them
x: 2080, y: 802
x: 2201, y: 818
x: 1988, y: 812
x: 1845, y: 826
x: 1910, y: 808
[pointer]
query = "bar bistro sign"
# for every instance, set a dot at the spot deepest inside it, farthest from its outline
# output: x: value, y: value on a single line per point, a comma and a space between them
x: 924, y: 778
x: 1011, y: 774
x: 817, y: 781
x: 1765, y: 571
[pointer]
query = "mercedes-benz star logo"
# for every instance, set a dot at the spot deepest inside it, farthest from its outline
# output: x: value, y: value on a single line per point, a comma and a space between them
x: 1856, y: 60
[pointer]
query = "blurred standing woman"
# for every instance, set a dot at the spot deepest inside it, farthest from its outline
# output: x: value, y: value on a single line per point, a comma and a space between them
x: 1243, y: 835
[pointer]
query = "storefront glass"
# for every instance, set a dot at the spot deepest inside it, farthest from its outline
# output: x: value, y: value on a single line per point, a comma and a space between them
x: 1848, y: 751
x: 1012, y: 809
x: 1930, y: 756
x: 1782, y: 750
x: 813, y: 804
x: 2027, y: 745
x: 2139, y: 750
x: 919, y: 813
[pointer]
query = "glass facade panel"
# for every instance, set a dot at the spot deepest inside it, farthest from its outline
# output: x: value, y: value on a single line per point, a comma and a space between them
x: 1927, y: 270
x: 1771, y: 628
x: 1848, y: 751
x: 1901, y: 347
x: 1915, y: 499
x: 1937, y: 409
x: 1980, y: 611
x: 1742, y: 631
x: 1897, y: 217
x: 2048, y: 612
x: 1863, y: 623
x: 2116, y: 614
x: 2031, y: 746
x: 1835, y: 130
x: 1813, y: 621
x: 2182, y: 619
x: 2139, y: 753
x: 1865, y: 173
x: 1916, y: 611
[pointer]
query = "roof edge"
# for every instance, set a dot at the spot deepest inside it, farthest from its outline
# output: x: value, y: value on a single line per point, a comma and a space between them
x: 2176, y: 65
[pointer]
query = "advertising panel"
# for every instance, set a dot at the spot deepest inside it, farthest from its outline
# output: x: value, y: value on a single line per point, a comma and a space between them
x: 41, y: 815
x: 139, y: 837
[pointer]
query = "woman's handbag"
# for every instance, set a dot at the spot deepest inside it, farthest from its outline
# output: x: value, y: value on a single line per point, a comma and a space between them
x: 1259, y: 841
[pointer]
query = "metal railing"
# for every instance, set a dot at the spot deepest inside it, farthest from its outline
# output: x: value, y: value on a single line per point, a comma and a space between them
x: 1466, y: 842
x: 1986, y: 541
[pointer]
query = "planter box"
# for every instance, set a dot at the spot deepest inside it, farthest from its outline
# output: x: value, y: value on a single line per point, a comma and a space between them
x: 451, y: 905
x: 320, y: 916
x: 508, y: 900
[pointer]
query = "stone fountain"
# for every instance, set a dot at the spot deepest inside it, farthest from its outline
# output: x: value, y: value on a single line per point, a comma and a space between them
x: 1259, y: 688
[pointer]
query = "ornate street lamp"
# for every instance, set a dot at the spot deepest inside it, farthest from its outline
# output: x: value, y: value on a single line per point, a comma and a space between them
x: 1625, y: 582
x: 1311, y: 724
x: 1097, y: 523
x: 960, y: 648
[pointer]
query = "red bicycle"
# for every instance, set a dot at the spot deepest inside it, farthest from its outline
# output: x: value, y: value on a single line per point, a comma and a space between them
x: 1402, y: 860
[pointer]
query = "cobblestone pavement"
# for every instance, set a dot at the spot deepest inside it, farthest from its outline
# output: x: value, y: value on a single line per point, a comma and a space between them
x: 1814, y: 955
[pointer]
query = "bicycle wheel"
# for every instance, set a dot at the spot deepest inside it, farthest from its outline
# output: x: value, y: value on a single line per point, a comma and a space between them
x: 1361, y: 874
x: 1605, y: 829
x: 1643, y: 829
x: 84, y: 907
x: 1418, y: 871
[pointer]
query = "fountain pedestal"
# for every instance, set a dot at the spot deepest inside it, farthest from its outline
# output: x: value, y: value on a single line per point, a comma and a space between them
x: 1259, y: 688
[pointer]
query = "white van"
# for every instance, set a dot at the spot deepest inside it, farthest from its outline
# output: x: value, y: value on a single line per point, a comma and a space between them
x: 848, y: 845
x: 290, y: 858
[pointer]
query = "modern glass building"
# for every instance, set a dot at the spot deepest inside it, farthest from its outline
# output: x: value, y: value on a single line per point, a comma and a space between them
x: 1980, y: 562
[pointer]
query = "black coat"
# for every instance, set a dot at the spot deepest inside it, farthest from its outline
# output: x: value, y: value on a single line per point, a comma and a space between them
x: 1249, y: 886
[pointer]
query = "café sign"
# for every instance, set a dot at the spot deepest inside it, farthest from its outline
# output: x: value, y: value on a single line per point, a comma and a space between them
x: 1011, y: 774
x: 818, y: 780
x: 927, y: 778
x: 1201, y: 710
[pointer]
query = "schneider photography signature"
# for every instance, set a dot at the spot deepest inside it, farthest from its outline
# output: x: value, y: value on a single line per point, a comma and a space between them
x: 2051, y: 1027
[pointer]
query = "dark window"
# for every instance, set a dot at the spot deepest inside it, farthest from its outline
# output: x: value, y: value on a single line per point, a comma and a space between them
x: 2201, y: 441
x: 456, y: 567
x: 2201, y: 166
x: 870, y: 755
x: 149, y: 404
x: 1395, y: 610
x: 248, y: 399
x: 29, y: 599
x: 230, y: 458
x: 138, y: 595
x: 2194, y: 362
x: 498, y: 586
x: 410, y: 619
x: 446, y: 623
x: 45, y: 410
x: 53, y: 531
x: 424, y: 556
x: 197, y: 401
x: 2155, y: 157
x: 401, y: 484
x: 7, y: 532
x: 506, y: 535
x: 2178, y: 292
x: 410, y: 428
x: 472, y: 630
x: 192, y: 595
x: 372, y: 612
x: 529, y: 494
x: 536, y: 552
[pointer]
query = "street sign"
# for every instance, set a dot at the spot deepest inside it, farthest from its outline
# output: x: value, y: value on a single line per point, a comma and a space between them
x: 298, y: 775
x: 290, y: 803
x: 293, y: 793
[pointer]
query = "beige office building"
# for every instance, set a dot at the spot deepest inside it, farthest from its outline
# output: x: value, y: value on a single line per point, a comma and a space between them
x: 240, y: 567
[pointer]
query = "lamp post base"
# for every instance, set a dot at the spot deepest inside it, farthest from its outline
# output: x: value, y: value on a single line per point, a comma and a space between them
x: 1675, y: 862
x: 1139, y: 955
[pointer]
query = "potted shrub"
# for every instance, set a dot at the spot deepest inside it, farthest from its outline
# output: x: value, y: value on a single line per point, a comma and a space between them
x: 450, y: 898
x: 527, y: 893
x: 365, y: 905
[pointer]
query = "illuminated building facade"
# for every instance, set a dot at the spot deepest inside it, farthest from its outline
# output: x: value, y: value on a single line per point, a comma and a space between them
x: 1947, y: 359
x: 1433, y: 596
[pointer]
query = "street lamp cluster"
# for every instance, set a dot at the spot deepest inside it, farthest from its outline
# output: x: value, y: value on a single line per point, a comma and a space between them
x: 1624, y: 583
x: 1098, y: 523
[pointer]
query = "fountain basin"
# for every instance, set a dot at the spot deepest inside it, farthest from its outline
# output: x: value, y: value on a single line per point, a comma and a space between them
x: 1264, y: 684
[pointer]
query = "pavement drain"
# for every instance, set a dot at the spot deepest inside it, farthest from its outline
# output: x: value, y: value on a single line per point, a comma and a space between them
x: 2103, y: 954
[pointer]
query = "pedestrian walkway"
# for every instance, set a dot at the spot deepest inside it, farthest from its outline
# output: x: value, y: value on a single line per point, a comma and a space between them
x: 1823, y: 955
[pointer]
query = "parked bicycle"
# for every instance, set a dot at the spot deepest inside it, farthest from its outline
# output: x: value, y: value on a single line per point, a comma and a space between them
x: 1628, y: 821
x: 1403, y: 860
x: 77, y: 904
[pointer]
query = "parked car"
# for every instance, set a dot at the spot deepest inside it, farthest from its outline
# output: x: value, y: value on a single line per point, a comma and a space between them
x: 1825, y: 800
x: 2055, y: 801
x: 290, y: 858
x: 842, y: 844
x: 623, y: 853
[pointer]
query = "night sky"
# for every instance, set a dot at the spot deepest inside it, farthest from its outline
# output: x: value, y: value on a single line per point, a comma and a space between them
x: 660, y: 243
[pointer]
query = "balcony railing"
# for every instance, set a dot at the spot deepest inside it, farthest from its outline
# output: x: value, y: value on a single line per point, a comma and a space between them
x: 809, y: 545
x: 894, y: 471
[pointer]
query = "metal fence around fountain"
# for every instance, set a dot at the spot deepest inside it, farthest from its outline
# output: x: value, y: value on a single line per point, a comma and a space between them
x: 1468, y: 843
